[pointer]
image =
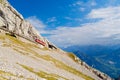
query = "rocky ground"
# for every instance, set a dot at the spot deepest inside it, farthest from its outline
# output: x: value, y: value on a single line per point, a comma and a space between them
x: 21, y: 59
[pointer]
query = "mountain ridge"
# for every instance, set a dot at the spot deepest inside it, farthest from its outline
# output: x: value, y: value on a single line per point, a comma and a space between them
x: 103, y: 58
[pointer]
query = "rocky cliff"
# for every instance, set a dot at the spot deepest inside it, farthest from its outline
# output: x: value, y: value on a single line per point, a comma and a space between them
x: 26, y: 55
x: 13, y: 22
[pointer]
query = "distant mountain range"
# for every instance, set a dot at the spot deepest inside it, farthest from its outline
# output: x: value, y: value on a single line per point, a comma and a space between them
x: 103, y: 58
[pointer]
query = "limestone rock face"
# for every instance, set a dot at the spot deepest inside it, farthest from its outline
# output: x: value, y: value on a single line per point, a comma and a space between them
x: 12, y: 21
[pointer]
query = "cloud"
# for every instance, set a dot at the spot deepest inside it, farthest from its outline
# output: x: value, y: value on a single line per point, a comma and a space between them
x: 68, y: 18
x: 85, y: 3
x: 73, y: 19
x: 82, y: 9
x: 50, y: 20
x: 37, y: 23
x: 93, y: 3
x: 103, y: 32
x: 83, y: 6
x: 78, y: 3
x: 112, y: 3
x: 109, y: 12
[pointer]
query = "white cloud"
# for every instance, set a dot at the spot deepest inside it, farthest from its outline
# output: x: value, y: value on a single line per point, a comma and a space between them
x: 93, y: 3
x: 109, y: 12
x: 111, y: 62
x: 112, y: 3
x: 82, y: 6
x: 53, y: 19
x: 37, y: 23
x: 75, y: 19
x: 78, y: 3
x: 105, y: 31
x: 82, y: 9
x: 85, y: 4
x: 78, y: 19
x: 68, y: 18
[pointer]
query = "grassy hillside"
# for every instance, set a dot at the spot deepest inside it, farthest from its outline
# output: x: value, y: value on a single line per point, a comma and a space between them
x: 30, y: 50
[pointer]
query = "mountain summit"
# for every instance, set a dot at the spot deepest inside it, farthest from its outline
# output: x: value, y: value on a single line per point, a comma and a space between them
x: 26, y: 55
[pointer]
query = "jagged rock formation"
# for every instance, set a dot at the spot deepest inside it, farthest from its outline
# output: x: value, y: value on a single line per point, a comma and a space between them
x: 12, y: 21
x: 24, y: 57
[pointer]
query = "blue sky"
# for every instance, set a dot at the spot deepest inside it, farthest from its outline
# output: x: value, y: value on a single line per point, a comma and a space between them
x: 74, y: 22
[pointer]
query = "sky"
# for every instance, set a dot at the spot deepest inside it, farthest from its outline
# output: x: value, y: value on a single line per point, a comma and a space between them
x: 73, y: 22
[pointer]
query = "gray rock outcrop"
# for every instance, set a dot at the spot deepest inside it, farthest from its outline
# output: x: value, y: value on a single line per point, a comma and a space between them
x: 13, y: 22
